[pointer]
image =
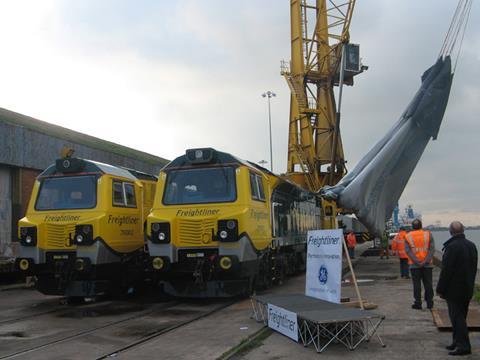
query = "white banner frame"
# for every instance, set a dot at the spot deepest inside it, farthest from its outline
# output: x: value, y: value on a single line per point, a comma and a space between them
x: 324, y: 264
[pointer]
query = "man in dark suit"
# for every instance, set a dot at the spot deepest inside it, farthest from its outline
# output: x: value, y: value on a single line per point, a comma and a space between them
x: 456, y: 284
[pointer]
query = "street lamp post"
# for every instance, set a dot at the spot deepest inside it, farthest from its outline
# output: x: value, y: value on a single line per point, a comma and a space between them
x: 269, y: 94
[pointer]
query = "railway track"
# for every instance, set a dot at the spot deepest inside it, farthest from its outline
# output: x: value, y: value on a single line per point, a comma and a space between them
x: 33, y: 349
x: 163, y: 318
x: 158, y: 333
x: 52, y: 311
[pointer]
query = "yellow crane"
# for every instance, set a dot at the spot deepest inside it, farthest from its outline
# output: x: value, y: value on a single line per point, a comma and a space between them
x: 321, y: 58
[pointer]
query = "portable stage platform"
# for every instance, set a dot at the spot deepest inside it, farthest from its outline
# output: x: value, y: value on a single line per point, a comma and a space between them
x: 321, y: 322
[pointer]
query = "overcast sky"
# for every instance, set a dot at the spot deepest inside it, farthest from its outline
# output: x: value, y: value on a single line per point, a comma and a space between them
x: 163, y: 76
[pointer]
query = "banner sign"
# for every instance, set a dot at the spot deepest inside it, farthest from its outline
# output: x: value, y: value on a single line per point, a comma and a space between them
x: 324, y: 264
x: 283, y: 321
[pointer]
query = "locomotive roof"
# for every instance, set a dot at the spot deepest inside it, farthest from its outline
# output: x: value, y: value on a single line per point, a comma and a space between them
x: 91, y: 166
x: 220, y: 158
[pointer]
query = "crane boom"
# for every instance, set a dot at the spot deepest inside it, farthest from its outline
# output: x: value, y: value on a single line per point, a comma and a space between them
x: 315, y: 151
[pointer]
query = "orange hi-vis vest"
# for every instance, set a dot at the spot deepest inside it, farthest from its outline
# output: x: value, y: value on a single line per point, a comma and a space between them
x: 419, y: 241
x: 398, y: 244
x: 351, y: 240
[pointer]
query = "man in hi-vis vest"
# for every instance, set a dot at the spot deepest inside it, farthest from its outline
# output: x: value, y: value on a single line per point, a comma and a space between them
x: 420, y: 248
x: 398, y: 248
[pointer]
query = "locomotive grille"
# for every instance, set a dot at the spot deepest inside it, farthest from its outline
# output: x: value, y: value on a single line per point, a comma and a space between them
x: 194, y: 232
x: 58, y: 235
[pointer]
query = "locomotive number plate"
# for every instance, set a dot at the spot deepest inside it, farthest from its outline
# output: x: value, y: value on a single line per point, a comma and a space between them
x: 195, y: 255
x: 60, y: 257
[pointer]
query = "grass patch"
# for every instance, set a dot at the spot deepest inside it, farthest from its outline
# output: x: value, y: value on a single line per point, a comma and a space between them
x: 476, y: 294
x: 247, y: 344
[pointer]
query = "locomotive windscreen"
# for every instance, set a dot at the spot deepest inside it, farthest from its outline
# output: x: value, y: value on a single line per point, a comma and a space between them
x: 200, y: 186
x: 69, y: 192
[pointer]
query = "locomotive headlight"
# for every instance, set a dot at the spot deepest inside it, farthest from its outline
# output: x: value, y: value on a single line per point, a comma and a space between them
x: 28, y: 235
x: 83, y: 235
x: 160, y: 232
x: 227, y: 230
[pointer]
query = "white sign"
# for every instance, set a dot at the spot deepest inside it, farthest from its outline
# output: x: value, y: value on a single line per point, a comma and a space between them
x: 324, y: 264
x: 283, y: 321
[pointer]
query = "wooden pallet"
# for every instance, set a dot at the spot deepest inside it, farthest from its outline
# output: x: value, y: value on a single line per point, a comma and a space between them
x: 442, y: 321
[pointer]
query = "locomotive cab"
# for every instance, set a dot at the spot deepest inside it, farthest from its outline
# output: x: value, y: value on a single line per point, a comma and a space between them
x: 84, y: 227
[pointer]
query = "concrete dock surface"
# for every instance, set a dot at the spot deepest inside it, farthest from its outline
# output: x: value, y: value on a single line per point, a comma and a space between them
x: 228, y: 332
x: 407, y: 333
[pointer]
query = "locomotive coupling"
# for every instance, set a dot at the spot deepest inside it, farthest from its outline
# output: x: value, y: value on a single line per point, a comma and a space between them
x: 24, y: 264
x: 228, y: 263
x: 160, y: 263
x: 82, y: 264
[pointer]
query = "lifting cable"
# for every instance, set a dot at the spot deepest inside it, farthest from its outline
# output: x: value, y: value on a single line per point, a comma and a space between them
x: 456, y: 30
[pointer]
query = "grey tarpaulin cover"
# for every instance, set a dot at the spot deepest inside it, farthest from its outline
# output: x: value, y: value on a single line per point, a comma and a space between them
x: 373, y: 187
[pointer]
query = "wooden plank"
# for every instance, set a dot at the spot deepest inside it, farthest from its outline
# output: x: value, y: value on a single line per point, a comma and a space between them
x: 442, y: 320
x: 366, y: 305
x: 437, y: 319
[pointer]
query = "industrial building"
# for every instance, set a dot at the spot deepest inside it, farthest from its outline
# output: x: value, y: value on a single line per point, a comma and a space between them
x: 27, y: 146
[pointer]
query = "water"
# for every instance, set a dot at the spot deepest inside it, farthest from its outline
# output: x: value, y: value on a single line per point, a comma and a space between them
x: 441, y: 236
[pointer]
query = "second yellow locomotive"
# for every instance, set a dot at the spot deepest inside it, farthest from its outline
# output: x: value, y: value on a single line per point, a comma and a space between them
x: 221, y: 226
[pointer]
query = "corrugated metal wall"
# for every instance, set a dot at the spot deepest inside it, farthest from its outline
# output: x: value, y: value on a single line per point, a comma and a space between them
x: 5, y: 212
x: 30, y: 149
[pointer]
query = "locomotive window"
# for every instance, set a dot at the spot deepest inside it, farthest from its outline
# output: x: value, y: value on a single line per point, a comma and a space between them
x: 261, y: 192
x: 117, y: 194
x: 123, y: 194
x: 200, y: 186
x: 69, y: 192
x: 130, y: 195
x: 253, y: 186
x: 256, y: 186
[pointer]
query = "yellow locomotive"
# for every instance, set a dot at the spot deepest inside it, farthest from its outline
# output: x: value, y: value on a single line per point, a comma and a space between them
x: 83, y: 233
x: 221, y: 226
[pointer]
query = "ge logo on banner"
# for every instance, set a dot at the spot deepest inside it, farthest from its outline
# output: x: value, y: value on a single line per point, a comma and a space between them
x: 323, y: 275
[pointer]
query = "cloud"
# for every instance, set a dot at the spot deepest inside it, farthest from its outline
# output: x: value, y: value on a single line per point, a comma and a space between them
x: 165, y: 76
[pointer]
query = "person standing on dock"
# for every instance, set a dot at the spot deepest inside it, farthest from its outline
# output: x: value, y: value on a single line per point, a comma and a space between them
x: 420, y: 247
x: 351, y: 243
x: 456, y: 284
x: 398, y: 248
x: 384, y: 246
